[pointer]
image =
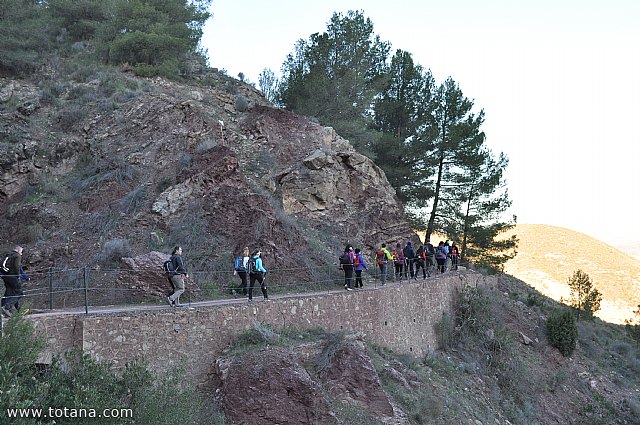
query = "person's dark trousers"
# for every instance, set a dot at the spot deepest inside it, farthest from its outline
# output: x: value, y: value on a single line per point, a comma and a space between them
x: 13, y: 292
x: 409, y: 267
x: 441, y: 262
x: 244, y: 282
x: 454, y: 262
x: 398, y: 275
x: 259, y: 276
x: 358, y: 278
x: 348, y: 275
x: 420, y: 265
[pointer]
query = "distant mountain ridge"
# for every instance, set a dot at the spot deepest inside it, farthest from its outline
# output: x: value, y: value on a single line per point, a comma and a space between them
x: 549, y: 255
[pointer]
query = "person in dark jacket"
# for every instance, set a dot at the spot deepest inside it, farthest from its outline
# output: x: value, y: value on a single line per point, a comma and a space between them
x: 409, y: 258
x: 177, y: 278
x: 240, y: 269
x: 347, y: 258
x: 12, y: 272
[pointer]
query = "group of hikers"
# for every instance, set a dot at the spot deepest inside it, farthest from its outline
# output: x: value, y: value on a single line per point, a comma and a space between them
x: 406, y: 262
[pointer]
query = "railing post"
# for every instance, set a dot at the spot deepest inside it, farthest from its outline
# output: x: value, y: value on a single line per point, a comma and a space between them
x: 86, y: 290
x: 50, y: 288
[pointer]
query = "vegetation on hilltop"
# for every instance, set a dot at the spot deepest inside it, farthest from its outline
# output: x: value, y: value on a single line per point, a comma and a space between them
x: 154, y: 38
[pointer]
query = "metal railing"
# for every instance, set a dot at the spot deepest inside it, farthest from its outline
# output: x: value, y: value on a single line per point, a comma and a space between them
x: 74, y: 288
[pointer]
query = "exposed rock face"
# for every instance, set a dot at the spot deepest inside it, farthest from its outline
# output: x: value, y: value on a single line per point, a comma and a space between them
x: 144, y: 273
x: 319, y: 176
x: 284, y: 386
x: 186, y: 163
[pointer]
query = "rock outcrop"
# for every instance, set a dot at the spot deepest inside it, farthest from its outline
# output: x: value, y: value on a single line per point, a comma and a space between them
x: 305, y: 384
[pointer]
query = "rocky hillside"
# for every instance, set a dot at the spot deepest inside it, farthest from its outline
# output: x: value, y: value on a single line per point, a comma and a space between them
x: 549, y: 255
x: 495, y: 366
x: 108, y: 165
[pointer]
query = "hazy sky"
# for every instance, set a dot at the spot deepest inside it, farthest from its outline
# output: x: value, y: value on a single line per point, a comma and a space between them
x: 559, y: 81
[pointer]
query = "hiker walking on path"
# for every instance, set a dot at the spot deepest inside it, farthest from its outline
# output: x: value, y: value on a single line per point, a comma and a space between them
x: 409, y: 257
x: 430, y: 252
x: 11, y: 274
x: 359, y: 264
x: 455, y: 258
x: 441, y: 257
x: 240, y: 269
x: 421, y: 261
x: 398, y: 261
x: 177, y: 277
x: 383, y: 256
x: 257, y: 272
x: 347, y: 260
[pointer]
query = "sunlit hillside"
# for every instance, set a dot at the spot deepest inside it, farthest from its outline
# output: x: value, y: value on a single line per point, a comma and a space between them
x: 549, y: 255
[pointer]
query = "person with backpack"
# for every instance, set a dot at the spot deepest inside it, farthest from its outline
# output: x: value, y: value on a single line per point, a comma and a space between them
x: 11, y: 274
x: 441, y: 256
x: 421, y: 262
x: 455, y: 258
x: 447, y: 249
x: 176, y: 273
x: 240, y: 269
x: 347, y: 260
x: 430, y: 252
x: 409, y: 257
x: 257, y: 272
x: 398, y: 261
x: 359, y: 264
x: 383, y: 256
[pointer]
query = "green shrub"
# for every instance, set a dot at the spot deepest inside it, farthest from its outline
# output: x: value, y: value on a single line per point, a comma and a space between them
x: 563, y: 331
x: 445, y: 332
x: 113, y: 250
x: 241, y: 104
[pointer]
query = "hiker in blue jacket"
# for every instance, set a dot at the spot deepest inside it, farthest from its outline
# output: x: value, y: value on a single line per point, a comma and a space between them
x: 359, y: 264
x: 257, y: 272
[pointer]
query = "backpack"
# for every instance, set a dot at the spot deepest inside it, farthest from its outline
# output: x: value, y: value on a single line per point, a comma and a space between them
x: 441, y: 254
x: 345, y: 259
x: 357, y: 261
x: 381, y: 258
x: 168, y: 267
x: 251, y: 265
x: 239, y: 264
x: 430, y: 250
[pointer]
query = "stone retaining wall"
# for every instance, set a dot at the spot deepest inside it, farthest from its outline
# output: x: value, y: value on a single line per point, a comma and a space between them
x: 398, y: 316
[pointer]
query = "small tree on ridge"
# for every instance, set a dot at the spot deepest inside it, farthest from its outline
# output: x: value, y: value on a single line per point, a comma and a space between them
x: 584, y: 296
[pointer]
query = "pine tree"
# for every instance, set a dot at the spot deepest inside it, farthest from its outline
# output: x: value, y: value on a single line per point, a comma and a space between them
x: 481, y: 192
x: 452, y: 141
x: 334, y: 76
x: 584, y: 297
x: 399, y: 111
